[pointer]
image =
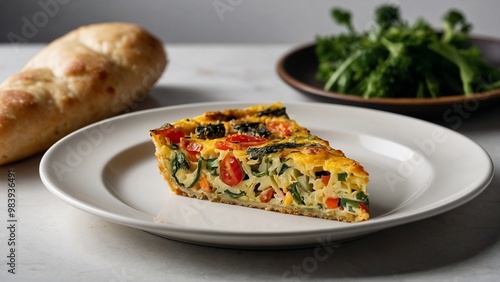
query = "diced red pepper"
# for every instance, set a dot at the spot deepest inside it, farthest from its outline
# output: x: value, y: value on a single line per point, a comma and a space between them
x: 266, y: 195
x: 205, y: 186
x: 280, y: 128
x: 325, y: 179
x: 332, y: 202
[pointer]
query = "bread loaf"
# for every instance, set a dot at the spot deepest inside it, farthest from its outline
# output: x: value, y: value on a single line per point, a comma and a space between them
x: 92, y: 73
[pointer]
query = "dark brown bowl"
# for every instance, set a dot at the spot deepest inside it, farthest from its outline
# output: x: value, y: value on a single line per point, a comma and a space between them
x: 298, y: 68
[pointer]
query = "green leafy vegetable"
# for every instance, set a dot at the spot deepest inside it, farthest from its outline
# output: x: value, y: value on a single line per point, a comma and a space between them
x: 456, y: 28
x: 284, y: 166
x: 360, y: 195
x: 197, y: 173
x: 235, y: 195
x: 272, y: 112
x: 387, y: 16
x: 343, y: 17
x: 350, y: 205
x: 252, y: 128
x: 342, y: 176
x: 258, y: 152
x: 212, y: 165
x: 265, y: 171
x: 398, y: 59
x: 210, y: 131
x: 296, y: 194
x: 179, y: 162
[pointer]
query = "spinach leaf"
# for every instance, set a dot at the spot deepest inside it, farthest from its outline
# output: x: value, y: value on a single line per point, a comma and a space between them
x: 197, y: 175
x: 283, y: 168
x: 296, y: 194
x: 273, y: 112
x: 265, y: 171
x: 342, y: 176
x: 256, y: 153
x: 210, y: 131
x: 179, y: 162
x: 235, y: 195
x: 252, y: 128
x: 212, y: 165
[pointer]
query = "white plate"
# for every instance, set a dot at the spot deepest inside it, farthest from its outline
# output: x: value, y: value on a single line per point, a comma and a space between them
x: 417, y: 170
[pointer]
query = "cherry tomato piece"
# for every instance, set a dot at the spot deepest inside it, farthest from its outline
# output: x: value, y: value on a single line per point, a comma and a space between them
x: 192, y: 148
x: 171, y: 133
x: 230, y: 170
x: 225, y: 145
x: 246, y: 140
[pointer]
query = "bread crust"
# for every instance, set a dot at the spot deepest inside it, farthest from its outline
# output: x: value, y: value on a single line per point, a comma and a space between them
x: 92, y: 73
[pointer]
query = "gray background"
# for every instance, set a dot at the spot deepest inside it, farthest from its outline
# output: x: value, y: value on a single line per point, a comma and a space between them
x: 221, y: 21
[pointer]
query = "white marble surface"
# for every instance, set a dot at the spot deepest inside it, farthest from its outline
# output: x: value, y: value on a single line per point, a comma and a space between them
x: 56, y: 242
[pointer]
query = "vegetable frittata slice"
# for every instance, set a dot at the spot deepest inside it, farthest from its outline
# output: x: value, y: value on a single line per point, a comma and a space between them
x: 258, y: 157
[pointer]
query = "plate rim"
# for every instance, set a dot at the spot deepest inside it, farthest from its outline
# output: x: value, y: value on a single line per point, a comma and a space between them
x: 359, y: 228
